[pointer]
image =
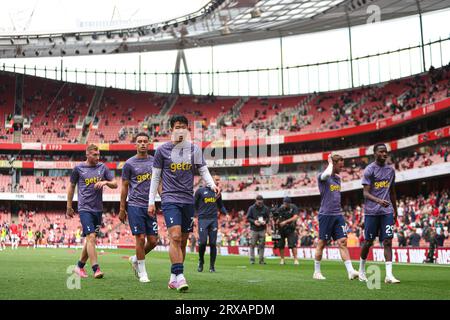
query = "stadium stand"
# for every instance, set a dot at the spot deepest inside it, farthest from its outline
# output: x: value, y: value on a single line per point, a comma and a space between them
x: 121, y: 112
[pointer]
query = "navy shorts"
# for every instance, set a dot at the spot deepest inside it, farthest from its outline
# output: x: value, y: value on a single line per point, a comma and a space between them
x: 332, y: 227
x: 179, y: 214
x: 91, y: 222
x: 207, y: 228
x: 381, y: 226
x: 141, y: 223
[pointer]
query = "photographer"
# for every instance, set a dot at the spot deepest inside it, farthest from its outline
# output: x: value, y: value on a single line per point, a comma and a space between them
x: 258, y: 216
x: 306, y: 240
x: 284, y: 224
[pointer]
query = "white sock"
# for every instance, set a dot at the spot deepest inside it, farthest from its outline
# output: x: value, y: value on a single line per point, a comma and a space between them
x: 173, y: 277
x: 180, y: 277
x: 134, y: 259
x: 316, y: 266
x: 362, y: 266
x: 141, y: 267
x: 389, y: 269
x: 349, y: 266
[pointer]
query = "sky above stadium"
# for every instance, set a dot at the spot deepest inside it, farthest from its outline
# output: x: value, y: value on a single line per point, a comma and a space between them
x: 40, y: 16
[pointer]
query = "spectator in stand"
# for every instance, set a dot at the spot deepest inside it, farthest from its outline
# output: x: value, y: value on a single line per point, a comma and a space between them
x: 440, y: 236
x: 401, y: 239
x: 414, y: 238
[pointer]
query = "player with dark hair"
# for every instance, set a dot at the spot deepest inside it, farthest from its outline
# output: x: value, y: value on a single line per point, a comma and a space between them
x: 89, y: 177
x: 206, y: 205
x: 174, y: 164
x: 136, y: 177
x: 331, y: 220
x: 380, y: 209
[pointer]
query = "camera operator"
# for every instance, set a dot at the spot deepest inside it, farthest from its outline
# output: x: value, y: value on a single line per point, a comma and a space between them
x: 284, y: 220
x: 258, y: 215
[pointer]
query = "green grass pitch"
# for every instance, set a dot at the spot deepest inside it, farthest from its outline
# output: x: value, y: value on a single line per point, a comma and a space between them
x: 42, y: 274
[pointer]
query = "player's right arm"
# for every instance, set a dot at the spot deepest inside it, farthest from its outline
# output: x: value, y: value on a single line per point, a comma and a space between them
x: 71, y: 191
x: 328, y: 171
x: 126, y: 176
x: 123, y: 200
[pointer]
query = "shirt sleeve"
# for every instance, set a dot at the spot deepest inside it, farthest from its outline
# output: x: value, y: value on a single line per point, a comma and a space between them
x: 75, y: 176
x: 158, y: 160
x: 327, y: 173
x: 295, y: 209
x: 199, y: 159
x: 126, y: 172
x: 367, y: 177
x: 108, y: 174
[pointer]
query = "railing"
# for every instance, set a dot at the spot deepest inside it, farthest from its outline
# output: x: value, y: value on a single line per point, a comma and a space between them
x: 289, y: 80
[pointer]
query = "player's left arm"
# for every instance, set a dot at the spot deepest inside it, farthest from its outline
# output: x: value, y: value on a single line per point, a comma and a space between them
x: 221, y: 206
x: 393, y: 197
x: 110, y: 181
x: 200, y: 163
x: 197, y: 199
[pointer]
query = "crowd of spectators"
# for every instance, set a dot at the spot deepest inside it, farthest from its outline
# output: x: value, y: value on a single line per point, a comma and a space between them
x: 367, y: 104
x: 302, y: 175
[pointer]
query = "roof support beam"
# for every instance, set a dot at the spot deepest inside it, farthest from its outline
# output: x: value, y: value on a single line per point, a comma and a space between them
x: 419, y: 9
x: 350, y: 44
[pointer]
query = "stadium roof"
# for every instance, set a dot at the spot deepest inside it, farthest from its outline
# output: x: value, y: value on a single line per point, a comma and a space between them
x: 218, y: 22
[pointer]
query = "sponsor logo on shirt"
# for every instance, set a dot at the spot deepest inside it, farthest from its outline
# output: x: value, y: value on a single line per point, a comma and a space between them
x: 143, y: 177
x: 93, y: 180
x: 382, y: 184
x: 210, y: 200
x: 335, y: 187
x: 184, y: 166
